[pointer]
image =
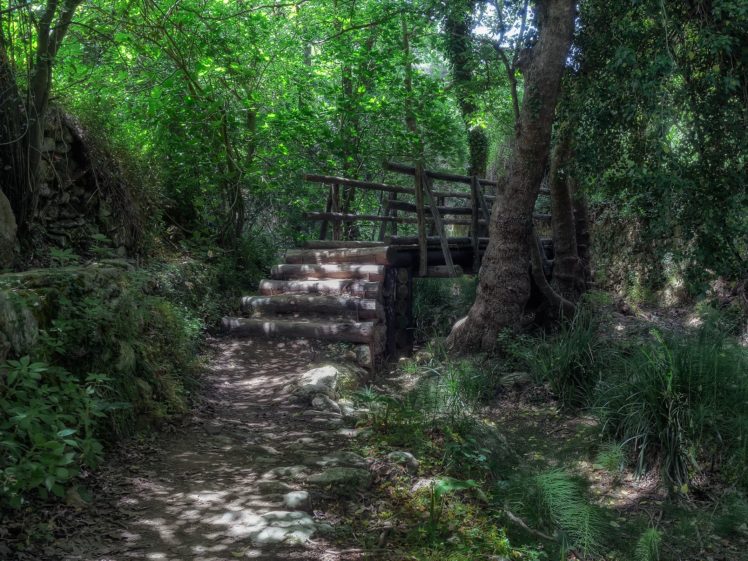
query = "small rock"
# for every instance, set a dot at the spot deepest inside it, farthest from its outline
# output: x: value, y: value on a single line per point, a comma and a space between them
x: 293, y: 527
x: 403, y: 458
x: 273, y: 487
x: 340, y: 459
x: 323, y: 403
x: 287, y: 472
x: 322, y: 380
x: 342, y: 480
x: 297, y: 500
x: 363, y: 356
x: 325, y: 529
x: 422, y: 483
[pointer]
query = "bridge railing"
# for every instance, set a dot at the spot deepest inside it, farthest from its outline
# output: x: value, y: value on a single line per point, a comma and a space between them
x: 430, y: 211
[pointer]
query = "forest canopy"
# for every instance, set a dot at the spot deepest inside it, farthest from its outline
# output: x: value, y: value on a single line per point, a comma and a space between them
x: 223, y: 105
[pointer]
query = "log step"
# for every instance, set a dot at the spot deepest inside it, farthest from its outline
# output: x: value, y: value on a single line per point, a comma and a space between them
x: 330, y: 271
x: 359, y: 308
x: 339, y: 244
x: 354, y: 332
x: 367, y: 255
x: 454, y: 241
x: 357, y: 288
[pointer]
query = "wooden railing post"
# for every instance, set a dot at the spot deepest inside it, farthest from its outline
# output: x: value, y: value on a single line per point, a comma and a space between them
x: 328, y: 208
x: 336, y: 225
x: 388, y: 211
x: 426, y: 182
x: 421, y: 221
x: 476, y: 206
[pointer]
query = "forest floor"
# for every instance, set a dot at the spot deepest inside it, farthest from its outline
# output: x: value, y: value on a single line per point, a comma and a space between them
x: 231, y: 480
x: 226, y: 484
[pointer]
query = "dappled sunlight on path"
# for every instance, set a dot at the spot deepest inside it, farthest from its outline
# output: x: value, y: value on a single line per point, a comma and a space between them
x: 231, y: 484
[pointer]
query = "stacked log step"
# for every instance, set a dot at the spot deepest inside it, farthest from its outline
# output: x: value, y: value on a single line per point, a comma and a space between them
x: 328, y: 293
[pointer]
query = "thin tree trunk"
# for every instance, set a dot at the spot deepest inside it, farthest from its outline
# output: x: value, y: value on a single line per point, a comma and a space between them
x: 504, y: 285
x: 567, y: 272
x: 581, y: 227
x: 457, y: 27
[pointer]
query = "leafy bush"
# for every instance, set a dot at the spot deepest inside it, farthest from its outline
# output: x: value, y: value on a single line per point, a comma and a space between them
x: 144, y: 343
x: 56, y: 414
x: 679, y: 399
x: 48, y: 429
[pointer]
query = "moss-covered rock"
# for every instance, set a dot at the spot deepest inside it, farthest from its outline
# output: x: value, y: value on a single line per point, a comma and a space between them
x: 18, y: 326
x: 7, y: 233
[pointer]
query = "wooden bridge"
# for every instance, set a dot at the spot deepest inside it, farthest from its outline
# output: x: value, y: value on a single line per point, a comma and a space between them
x: 360, y: 291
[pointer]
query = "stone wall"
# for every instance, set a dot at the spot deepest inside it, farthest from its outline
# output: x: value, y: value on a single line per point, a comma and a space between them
x: 82, y: 193
x: 7, y: 233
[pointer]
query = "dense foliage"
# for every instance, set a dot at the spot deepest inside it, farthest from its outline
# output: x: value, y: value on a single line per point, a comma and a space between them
x: 218, y: 108
x: 660, y: 101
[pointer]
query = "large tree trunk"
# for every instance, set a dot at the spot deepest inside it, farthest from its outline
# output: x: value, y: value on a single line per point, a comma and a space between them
x: 504, y: 285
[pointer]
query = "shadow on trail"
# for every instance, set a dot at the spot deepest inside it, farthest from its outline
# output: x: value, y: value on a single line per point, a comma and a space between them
x: 229, y: 486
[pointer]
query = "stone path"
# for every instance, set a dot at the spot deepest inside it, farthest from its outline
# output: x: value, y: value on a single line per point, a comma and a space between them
x: 242, y: 480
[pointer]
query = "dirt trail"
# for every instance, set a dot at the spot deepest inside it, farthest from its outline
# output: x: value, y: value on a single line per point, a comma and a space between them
x: 230, y: 485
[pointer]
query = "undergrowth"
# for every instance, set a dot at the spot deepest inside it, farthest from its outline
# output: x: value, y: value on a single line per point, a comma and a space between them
x: 439, y: 303
x: 671, y: 403
x: 112, y: 357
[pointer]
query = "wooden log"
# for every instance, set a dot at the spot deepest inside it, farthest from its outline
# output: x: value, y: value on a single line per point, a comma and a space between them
x: 340, y: 217
x: 370, y: 185
x: 444, y: 176
x: 433, y: 241
x: 442, y: 271
x: 333, y: 244
x: 360, y: 289
x: 327, y: 271
x: 354, y: 332
x: 376, y: 218
x: 323, y: 226
x: 421, y: 217
x: 455, y: 210
x: 439, y: 228
x: 368, y: 255
x: 359, y: 308
x: 335, y: 209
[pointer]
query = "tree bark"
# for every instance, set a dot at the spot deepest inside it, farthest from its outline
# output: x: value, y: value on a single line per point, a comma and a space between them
x: 567, y: 271
x: 504, y: 285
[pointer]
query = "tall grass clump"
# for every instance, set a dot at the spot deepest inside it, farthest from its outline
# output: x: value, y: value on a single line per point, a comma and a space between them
x: 554, y: 501
x: 570, y: 360
x: 679, y: 402
x: 439, y: 303
x: 648, y: 546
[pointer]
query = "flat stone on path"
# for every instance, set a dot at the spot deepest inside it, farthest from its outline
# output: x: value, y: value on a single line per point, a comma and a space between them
x: 342, y: 480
